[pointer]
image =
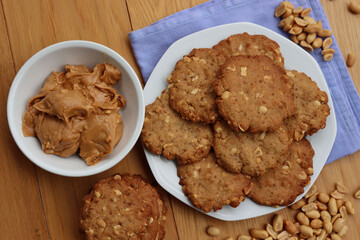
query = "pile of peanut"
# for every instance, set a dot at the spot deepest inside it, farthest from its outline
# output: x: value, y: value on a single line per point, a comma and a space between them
x: 304, y: 30
x: 320, y: 216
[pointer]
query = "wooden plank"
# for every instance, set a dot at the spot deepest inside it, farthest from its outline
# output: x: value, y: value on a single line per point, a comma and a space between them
x: 19, y: 186
x: 192, y: 224
x: 37, y: 24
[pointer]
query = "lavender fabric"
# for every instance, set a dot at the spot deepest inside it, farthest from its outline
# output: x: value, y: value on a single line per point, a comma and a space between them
x: 151, y: 42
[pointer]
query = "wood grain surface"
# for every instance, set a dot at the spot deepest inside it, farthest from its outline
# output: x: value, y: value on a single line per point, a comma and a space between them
x: 36, y: 204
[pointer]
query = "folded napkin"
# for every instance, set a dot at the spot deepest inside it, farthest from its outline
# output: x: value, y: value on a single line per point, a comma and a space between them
x: 151, y: 42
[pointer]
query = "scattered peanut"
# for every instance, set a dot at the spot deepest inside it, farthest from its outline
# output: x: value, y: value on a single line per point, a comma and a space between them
x: 349, y: 208
x: 290, y: 226
x: 341, y: 188
x: 324, y: 33
x: 324, y: 198
x: 302, y: 218
x: 332, y: 207
x: 317, y: 43
x: 244, y: 237
x: 334, y: 236
x: 337, y: 195
x: 270, y: 230
x: 306, y: 46
x: 258, y: 233
x: 328, y: 57
x: 213, y: 231
x: 309, y: 207
x: 298, y: 204
x: 278, y: 222
x: 306, y: 231
x: 313, y: 214
x: 325, y: 215
x: 354, y: 7
x: 338, y: 224
x: 310, y: 38
x: 311, y: 191
x: 327, y: 43
x: 328, y: 226
x: 343, y: 231
x: 351, y: 58
x: 316, y: 223
x: 339, y: 203
x: 328, y: 51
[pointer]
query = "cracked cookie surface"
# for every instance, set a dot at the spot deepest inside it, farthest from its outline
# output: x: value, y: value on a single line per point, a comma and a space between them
x: 165, y: 132
x: 123, y: 207
x: 250, y: 45
x: 311, y: 108
x: 249, y: 153
x: 281, y: 185
x: 253, y: 94
x: 209, y: 187
x: 191, y: 85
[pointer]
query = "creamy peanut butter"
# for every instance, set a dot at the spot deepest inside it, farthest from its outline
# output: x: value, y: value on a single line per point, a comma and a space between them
x: 77, y: 109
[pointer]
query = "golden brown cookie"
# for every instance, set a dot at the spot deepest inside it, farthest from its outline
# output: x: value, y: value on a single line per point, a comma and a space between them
x: 253, y: 94
x: 191, y: 85
x: 209, y: 187
x: 165, y: 132
x: 249, y: 153
x: 281, y: 185
x: 123, y: 207
x: 250, y: 45
x: 311, y: 108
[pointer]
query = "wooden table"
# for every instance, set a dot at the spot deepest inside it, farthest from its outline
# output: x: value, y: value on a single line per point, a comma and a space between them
x: 35, y: 204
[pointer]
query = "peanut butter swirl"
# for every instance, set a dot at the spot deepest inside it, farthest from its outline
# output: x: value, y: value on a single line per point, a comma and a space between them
x: 77, y: 109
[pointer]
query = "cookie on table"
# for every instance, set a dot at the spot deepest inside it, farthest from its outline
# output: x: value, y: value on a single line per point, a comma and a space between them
x: 123, y: 207
x: 281, y: 185
x: 311, y: 108
x: 249, y: 153
x: 251, y: 45
x: 254, y: 94
x: 208, y: 186
x: 165, y: 132
x: 191, y: 85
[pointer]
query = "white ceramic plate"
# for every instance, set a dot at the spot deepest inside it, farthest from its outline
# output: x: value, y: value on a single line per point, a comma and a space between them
x: 165, y: 171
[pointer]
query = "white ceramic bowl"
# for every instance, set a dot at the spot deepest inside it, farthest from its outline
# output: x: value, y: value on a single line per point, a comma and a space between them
x: 29, y: 81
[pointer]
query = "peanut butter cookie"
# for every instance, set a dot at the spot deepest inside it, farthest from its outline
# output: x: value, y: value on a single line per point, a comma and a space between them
x: 281, y: 185
x: 250, y: 45
x: 165, y: 132
x: 191, y: 85
x: 209, y: 187
x: 123, y: 207
x: 253, y: 94
x: 311, y: 108
x: 249, y: 153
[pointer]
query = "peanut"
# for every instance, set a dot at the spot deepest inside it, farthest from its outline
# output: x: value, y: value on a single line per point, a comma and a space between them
x: 213, y: 231
x: 280, y: 10
x: 294, y: 39
x: 244, y: 237
x: 317, y: 43
x: 290, y: 227
x: 310, y: 37
x: 328, y: 226
x: 337, y: 195
x: 258, y: 233
x: 334, y: 236
x: 312, y: 28
x: 349, y: 208
x: 357, y: 194
x: 287, y: 13
x: 324, y: 198
x: 299, y: 204
x: 338, y: 224
x: 343, y: 231
x: 332, y: 207
x: 306, y: 46
x: 310, y: 20
x: 302, y: 218
x: 328, y: 51
x: 321, y: 206
x: 270, y: 230
x: 325, y: 215
x: 313, y: 214
x: 328, y: 57
x: 309, y: 207
x: 324, y: 33
x: 301, y: 36
x: 300, y: 22
x: 306, y: 231
x: 278, y: 222
x: 351, y: 58
x: 311, y: 191
x: 305, y: 12
x: 343, y: 212
x: 327, y: 43
x: 316, y: 223
x: 295, y: 30
x: 341, y: 188
x: 354, y: 7
x: 339, y: 203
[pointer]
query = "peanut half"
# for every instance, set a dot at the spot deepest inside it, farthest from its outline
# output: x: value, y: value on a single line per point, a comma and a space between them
x: 213, y: 231
x: 351, y: 58
x: 354, y: 7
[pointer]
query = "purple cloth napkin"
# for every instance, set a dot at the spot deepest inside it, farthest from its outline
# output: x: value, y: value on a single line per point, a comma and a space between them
x: 151, y: 42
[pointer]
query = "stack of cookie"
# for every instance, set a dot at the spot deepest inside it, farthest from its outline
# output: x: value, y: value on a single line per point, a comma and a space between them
x: 237, y: 99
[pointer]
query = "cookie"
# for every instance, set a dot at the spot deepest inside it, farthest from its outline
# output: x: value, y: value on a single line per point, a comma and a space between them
x: 311, y: 108
x: 191, y: 85
x: 123, y: 207
x: 251, y: 45
x: 249, y: 153
x: 165, y: 132
x: 209, y: 187
x: 281, y: 185
x: 253, y: 94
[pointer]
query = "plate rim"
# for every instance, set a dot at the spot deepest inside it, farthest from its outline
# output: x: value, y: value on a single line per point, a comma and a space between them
x: 264, y: 31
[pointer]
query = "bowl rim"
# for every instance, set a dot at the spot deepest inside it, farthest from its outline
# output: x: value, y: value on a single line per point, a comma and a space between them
x: 50, y: 49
